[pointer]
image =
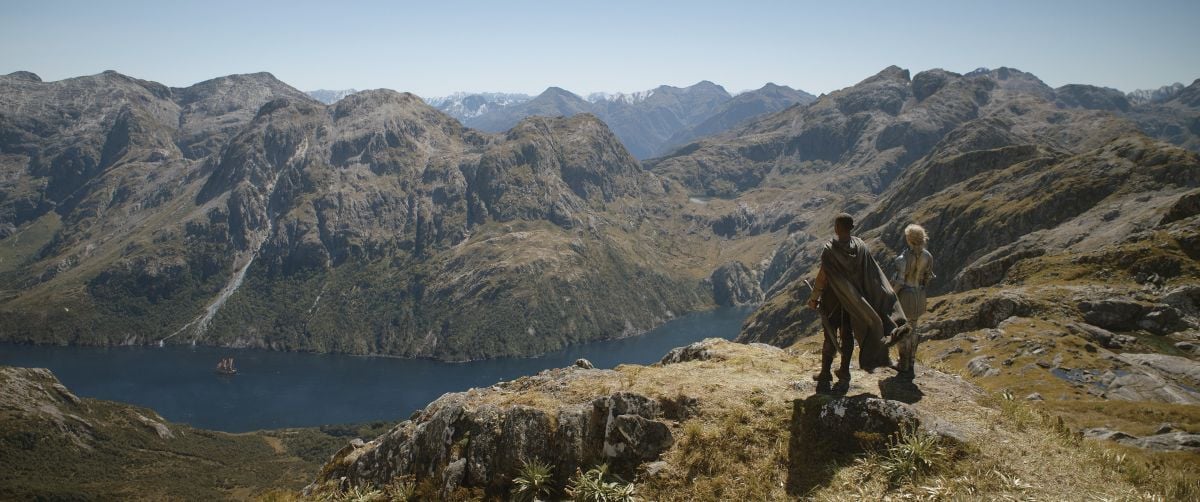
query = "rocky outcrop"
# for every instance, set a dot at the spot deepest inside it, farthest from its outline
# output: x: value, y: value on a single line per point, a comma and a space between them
x: 1128, y: 315
x: 36, y: 394
x: 1101, y: 336
x: 734, y: 284
x: 1170, y: 440
x: 981, y: 367
x: 862, y: 422
x: 649, y: 433
x: 1150, y: 377
x: 467, y: 442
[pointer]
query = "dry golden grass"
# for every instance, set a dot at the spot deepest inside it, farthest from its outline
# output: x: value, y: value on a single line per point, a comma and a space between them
x: 735, y: 442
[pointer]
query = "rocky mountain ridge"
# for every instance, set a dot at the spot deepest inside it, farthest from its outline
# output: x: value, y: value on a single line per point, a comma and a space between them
x: 652, y: 122
x: 192, y: 214
x: 172, y: 215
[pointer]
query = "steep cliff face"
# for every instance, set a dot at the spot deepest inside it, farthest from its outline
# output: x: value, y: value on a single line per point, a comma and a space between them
x: 367, y: 226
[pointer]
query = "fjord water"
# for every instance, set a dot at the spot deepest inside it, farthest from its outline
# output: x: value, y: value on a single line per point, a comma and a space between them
x: 288, y: 389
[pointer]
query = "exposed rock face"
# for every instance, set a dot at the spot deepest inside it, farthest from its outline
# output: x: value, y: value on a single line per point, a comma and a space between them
x: 735, y: 284
x: 1101, y: 336
x: 1166, y: 441
x: 980, y: 367
x: 36, y: 394
x: 862, y: 422
x: 483, y: 446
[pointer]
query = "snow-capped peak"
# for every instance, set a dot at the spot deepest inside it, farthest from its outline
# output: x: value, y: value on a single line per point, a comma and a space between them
x: 622, y: 97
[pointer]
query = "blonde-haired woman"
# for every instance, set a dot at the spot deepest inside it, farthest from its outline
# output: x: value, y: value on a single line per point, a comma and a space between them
x: 914, y: 270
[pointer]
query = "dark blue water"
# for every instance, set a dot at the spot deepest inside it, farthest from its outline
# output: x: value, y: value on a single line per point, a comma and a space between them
x: 284, y: 389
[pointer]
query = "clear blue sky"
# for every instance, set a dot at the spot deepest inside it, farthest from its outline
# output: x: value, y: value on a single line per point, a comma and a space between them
x: 437, y: 47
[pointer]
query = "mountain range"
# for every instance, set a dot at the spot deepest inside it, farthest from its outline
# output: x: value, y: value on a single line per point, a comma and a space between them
x: 239, y: 211
x: 1064, y: 224
x: 652, y: 122
x: 330, y: 97
x: 648, y: 123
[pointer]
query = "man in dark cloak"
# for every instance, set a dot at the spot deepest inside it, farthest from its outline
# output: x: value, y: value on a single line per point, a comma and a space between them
x: 856, y: 303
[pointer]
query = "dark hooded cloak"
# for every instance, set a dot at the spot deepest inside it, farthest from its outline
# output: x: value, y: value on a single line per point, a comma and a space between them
x: 858, y: 292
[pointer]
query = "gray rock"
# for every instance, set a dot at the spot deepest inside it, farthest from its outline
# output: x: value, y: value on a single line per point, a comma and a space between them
x: 453, y: 476
x: 1168, y: 441
x: 979, y: 367
x: 1100, y: 336
x: 698, y: 351
x: 1189, y: 347
x: 1162, y: 320
x: 1113, y: 313
x: 949, y: 352
x: 1177, y: 368
x: 1185, y: 298
x: 1144, y: 386
x: 460, y: 444
x: 584, y: 363
x: 1034, y: 397
x: 862, y: 421
x: 1106, y: 434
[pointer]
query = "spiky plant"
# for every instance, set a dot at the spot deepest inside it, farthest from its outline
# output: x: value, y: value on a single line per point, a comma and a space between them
x: 532, y: 481
x: 591, y: 486
x: 912, y: 453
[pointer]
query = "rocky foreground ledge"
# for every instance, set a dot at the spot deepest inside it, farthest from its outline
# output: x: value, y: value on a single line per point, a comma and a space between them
x: 726, y: 420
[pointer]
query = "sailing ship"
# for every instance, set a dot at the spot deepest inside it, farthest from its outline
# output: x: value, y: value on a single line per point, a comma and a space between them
x: 225, y: 367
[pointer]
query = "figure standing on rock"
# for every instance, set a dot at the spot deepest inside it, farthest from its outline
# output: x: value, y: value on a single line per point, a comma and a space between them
x: 914, y: 270
x: 857, y: 304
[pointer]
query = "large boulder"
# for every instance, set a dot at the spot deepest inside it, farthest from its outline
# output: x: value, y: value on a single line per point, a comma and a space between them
x: 464, y: 440
x: 862, y: 422
x: 1112, y: 313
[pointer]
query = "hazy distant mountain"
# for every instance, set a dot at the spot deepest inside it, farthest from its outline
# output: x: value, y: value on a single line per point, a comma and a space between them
x: 553, y: 102
x: 464, y: 105
x: 745, y: 106
x: 330, y: 97
x: 644, y: 121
